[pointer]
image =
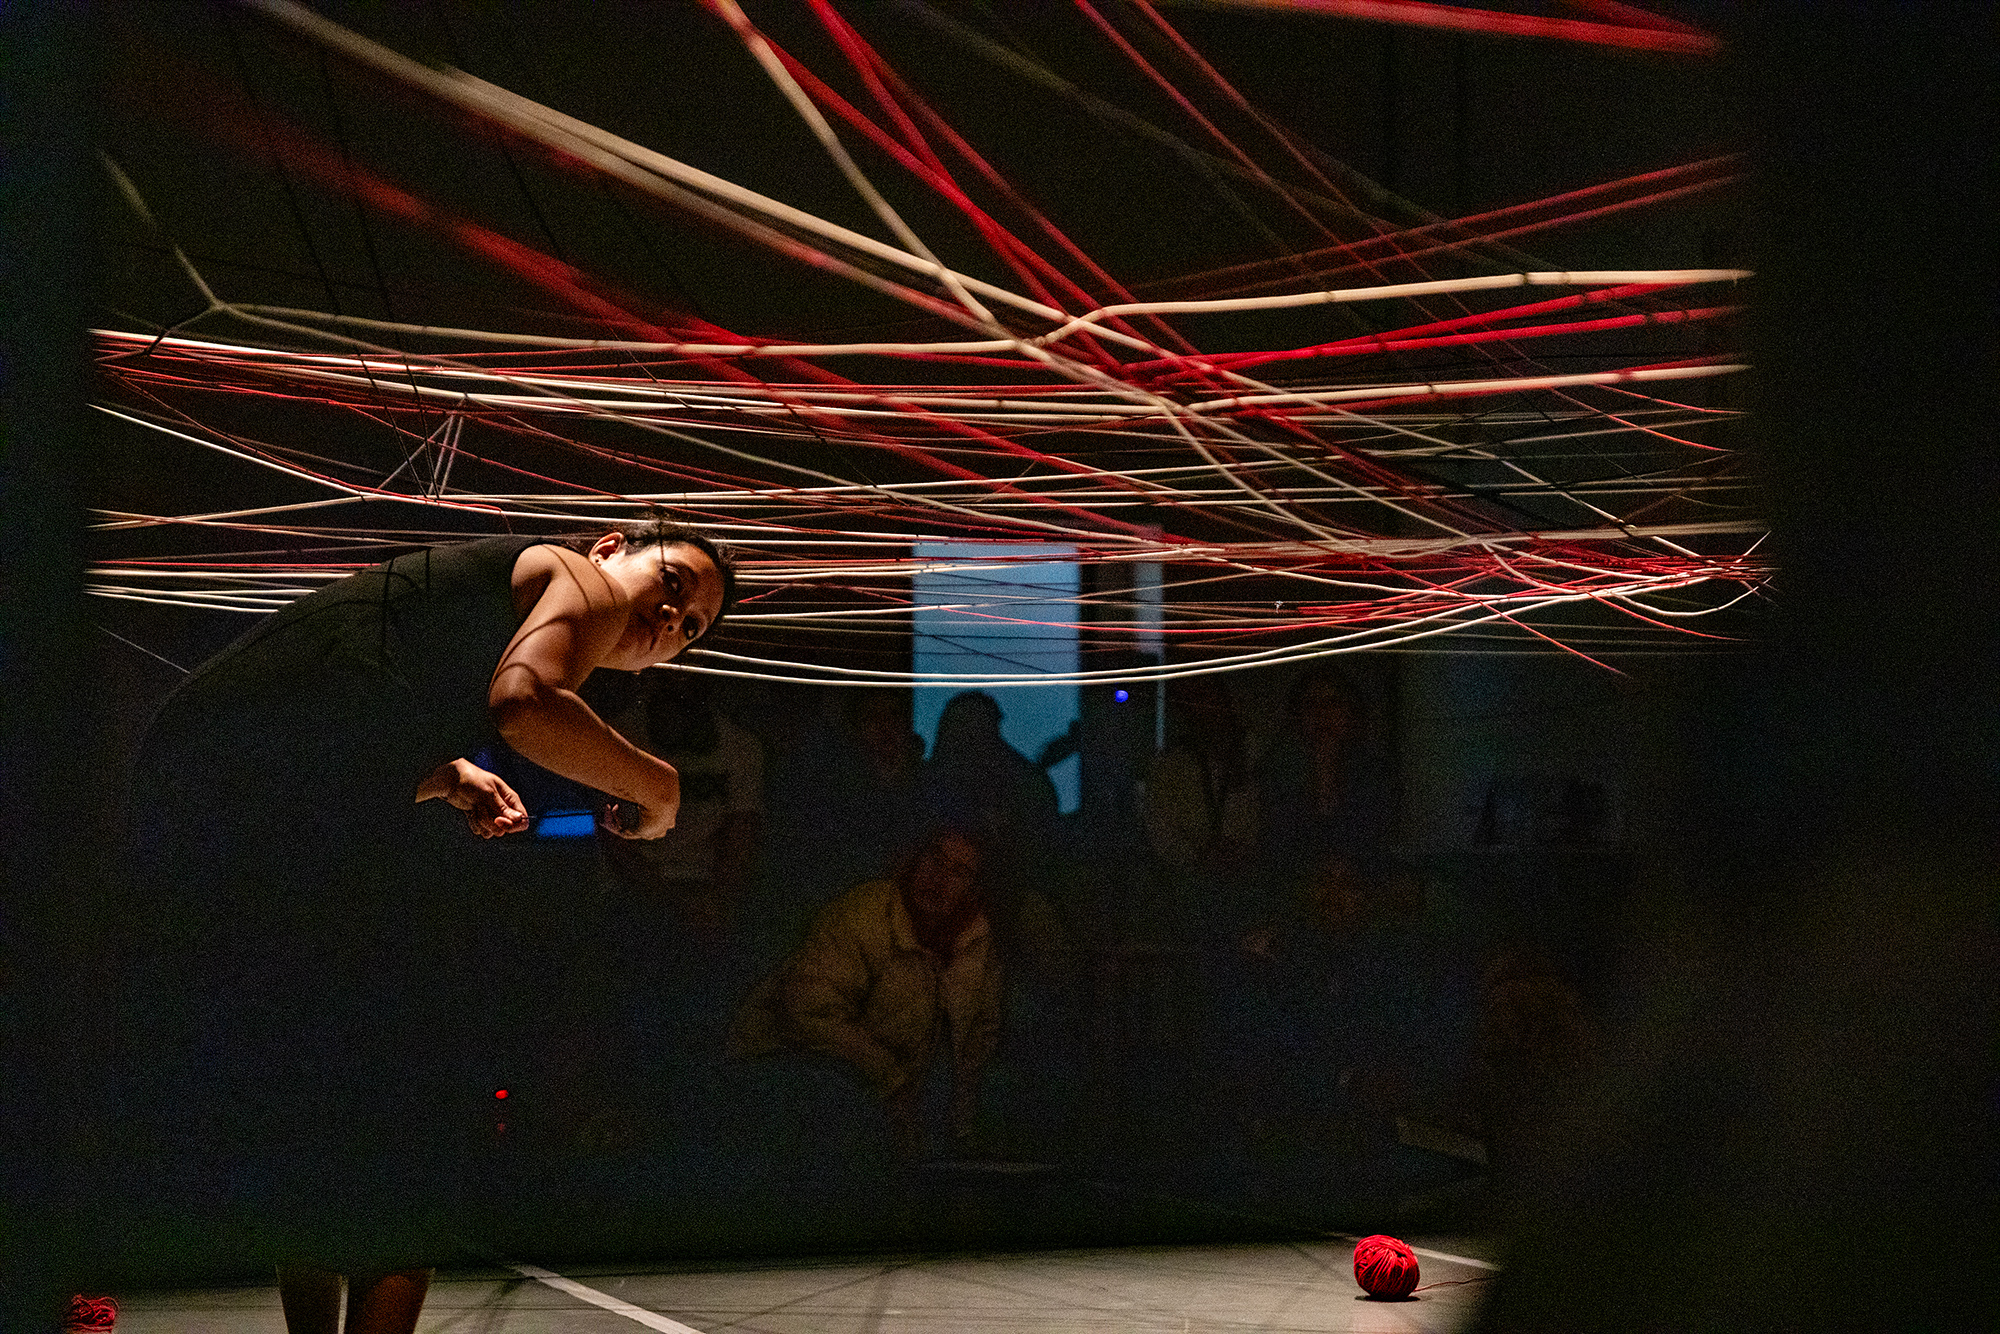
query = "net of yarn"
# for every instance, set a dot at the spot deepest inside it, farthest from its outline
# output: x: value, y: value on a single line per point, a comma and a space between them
x: 89, y: 1315
x: 1385, y: 1267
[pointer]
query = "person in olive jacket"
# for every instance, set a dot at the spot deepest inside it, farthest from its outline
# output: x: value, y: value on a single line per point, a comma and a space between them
x: 892, y: 974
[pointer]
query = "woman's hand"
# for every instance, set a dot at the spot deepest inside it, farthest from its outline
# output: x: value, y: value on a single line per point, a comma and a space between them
x: 631, y: 819
x: 491, y: 807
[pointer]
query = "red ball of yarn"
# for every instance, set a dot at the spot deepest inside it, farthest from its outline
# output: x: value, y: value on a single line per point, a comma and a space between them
x: 89, y: 1315
x: 1385, y: 1267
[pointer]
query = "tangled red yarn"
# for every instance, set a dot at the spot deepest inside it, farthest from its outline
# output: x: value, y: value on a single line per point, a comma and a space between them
x: 89, y: 1315
x: 1385, y: 1267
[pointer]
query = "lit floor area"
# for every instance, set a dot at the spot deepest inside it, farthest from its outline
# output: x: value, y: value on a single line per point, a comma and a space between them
x: 1291, y: 1287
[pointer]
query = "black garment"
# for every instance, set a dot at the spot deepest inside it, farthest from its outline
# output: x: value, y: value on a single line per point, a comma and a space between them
x: 293, y: 991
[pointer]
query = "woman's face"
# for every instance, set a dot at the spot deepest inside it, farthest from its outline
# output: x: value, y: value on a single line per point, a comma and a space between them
x: 675, y: 592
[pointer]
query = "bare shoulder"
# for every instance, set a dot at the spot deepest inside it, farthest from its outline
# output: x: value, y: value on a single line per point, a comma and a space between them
x: 544, y: 558
x: 537, y: 566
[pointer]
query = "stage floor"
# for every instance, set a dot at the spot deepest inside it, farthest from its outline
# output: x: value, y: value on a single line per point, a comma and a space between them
x: 1292, y: 1287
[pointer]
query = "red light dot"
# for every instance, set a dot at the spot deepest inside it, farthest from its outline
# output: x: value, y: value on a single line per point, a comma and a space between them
x: 499, y: 1093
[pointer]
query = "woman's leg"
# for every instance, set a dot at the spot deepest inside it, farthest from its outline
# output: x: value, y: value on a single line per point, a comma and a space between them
x: 376, y: 1303
x: 386, y: 1303
x: 311, y: 1299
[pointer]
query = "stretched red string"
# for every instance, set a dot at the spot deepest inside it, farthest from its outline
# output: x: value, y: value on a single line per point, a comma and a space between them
x: 1420, y: 14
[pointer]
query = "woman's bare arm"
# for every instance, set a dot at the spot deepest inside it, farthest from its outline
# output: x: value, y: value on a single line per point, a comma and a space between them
x: 575, y: 620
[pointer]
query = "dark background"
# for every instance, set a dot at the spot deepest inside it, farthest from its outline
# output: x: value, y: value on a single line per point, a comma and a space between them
x: 1812, y: 933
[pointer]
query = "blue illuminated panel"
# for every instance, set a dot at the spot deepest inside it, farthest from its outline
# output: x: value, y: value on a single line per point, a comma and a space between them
x: 1016, y: 619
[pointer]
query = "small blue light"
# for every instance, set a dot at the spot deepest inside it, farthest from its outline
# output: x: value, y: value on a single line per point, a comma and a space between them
x: 1121, y: 695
